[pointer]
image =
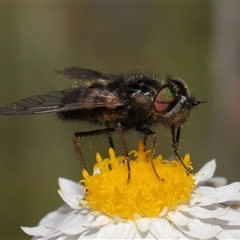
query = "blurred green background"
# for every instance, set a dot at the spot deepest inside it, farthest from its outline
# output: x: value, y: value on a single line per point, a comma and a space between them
x: 197, y: 41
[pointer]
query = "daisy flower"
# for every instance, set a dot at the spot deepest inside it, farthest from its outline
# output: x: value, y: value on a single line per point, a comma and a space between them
x: 166, y: 203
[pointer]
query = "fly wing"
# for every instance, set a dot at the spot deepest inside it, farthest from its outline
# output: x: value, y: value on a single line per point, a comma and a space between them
x: 66, y: 100
x: 76, y: 73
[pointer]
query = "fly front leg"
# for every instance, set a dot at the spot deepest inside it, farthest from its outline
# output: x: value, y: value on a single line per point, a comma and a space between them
x: 175, y: 135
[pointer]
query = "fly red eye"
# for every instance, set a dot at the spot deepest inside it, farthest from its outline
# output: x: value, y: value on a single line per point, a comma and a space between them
x: 165, y: 100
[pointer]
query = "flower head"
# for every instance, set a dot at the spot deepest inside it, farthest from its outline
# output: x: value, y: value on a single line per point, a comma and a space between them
x: 164, y: 202
x: 145, y: 194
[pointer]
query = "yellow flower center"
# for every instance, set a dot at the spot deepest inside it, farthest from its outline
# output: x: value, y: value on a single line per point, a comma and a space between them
x: 146, y: 195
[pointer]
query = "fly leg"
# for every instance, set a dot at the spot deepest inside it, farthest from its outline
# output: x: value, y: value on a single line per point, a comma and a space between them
x: 111, y: 144
x: 124, y: 146
x: 148, y: 132
x: 109, y: 136
x: 175, y: 143
x: 77, y: 135
x: 145, y: 138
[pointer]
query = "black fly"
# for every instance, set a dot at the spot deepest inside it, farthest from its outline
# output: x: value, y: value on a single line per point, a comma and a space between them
x: 135, y: 100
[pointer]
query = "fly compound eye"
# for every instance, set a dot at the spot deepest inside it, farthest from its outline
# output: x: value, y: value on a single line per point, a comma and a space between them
x: 166, y: 99
x: 171, y: 98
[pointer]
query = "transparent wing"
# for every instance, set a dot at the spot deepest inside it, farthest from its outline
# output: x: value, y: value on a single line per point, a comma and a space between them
x: 76, y: 73
x: 59, y: 101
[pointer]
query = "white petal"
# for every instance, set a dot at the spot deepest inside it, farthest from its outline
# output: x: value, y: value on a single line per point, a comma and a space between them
x: 90, y: 234
x: 143, y: 224
x: 99, y: 221
x: 143, y: 235
x: 206, y: 172
x: 69, y: 186
x: 74, y: 230
x: 36, y: 231
x: 228, y: 192
x: 235, y: 233
x: 216, y: 182
x: 203, y: 213
x: 163, y: 212
x: 221, y: 194
x: 201, y: 200
x: 234, y: 200
x: 57, y: 214
x: 233, y: 217
x: 177, y: 218
x: 117, y: 231
x: 224, y: 235
x: 107, y: 231
x: 75, y: 225
x: 114, y: 230
x: 200, y: 230
x: 95, y: 213
x: 162, y: 229
x: 125, y: 230
x: 194, y: 199
x: 72, y: 200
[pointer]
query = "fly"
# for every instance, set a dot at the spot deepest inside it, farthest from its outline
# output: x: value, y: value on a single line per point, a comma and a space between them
x: 137, y: 100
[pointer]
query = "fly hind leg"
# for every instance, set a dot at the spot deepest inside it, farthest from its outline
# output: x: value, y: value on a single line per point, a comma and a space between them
x: 77, y: 135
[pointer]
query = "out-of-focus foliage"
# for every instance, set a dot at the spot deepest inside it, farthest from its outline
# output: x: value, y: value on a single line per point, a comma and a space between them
x: 37, y: 38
